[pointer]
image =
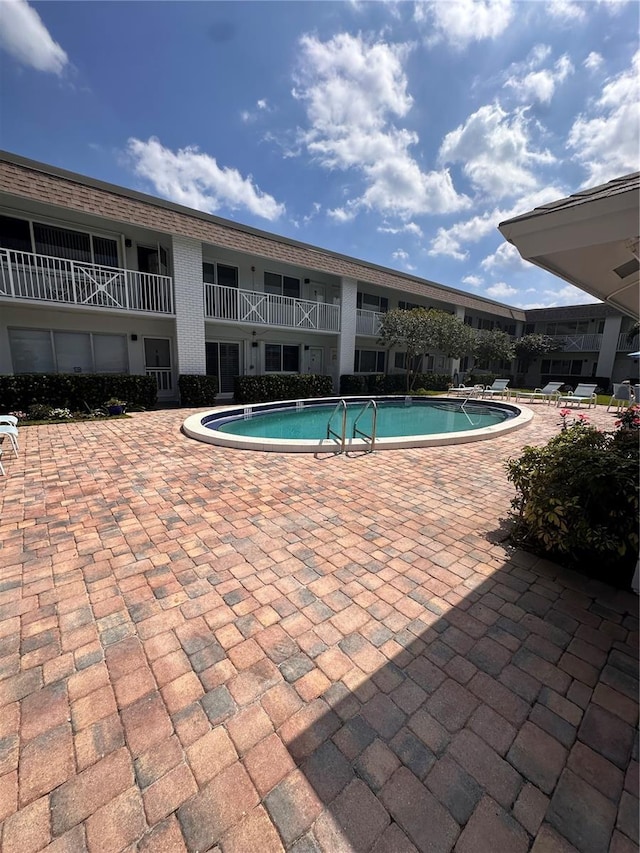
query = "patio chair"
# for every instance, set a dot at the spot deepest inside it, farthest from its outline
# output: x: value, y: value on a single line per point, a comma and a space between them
x: 582, y: 394
x: 12, y: 432
x: 9, y: 419
x: 622, y: 396
x: 550, y: 391
x: 466, y: 391
x: 498, y: 389
x: 636, y: 395
x: 2, y: 471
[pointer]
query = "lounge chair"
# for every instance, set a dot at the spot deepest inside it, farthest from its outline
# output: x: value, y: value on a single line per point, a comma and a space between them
x: 622, y: 396
x: 550, y: 391
x: 582, y: 394
x: 466, y: 391
x: 12, y: 432
x: 498, y: 389
x: 2, y: 471
x: 9, y: 419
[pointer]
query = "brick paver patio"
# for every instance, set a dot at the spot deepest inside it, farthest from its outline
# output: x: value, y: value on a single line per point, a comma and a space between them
x: 204, y: 649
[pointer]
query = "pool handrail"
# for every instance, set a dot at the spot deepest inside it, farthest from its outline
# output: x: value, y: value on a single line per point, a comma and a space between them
x: 342, y: 403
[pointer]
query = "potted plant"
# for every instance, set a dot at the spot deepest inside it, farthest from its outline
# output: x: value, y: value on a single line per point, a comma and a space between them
x: 115, y: 406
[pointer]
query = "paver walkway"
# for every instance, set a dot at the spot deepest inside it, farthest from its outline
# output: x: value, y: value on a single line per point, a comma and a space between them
x: 207, y: 649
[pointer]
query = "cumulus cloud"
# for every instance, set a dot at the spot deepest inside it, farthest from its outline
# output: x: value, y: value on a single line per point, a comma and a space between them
x: 195, y: 179
x: 473, y: 280
x: 540, y: 85
x: 249, y: 116
x: 496, y: 152
x: 25, y: 37
x: 460, y: 22
x: 402, y: 257
x: 567, y: 295
x: 408, y: 228
x: 500, y: 290
x: 593, y: 61
x: 507, y: 257
x: 605, y: 136
x: 354, y: 91
x: 565, y: 10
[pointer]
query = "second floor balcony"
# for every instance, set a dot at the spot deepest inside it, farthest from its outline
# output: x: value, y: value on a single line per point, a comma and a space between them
x: 368, y: 322
x: 268, y: 309
x: 43, y: 278
x: 578, y: 342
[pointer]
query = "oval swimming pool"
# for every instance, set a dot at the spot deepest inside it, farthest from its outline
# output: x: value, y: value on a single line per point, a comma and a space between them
x: 317, y: 425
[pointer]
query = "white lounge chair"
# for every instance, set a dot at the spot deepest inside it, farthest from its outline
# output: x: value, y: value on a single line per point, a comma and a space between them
x: 582, y: 394
x: 9, y: 419
x: 12, y: 432
x: 550, y: 391
x: 498, y: 389
x: 466, y: 391
x: 2, y: 471
x: 622, y: 396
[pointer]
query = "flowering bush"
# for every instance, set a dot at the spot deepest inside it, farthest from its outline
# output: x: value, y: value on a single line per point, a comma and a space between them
x: 577, y: 499
x: 630, y: 418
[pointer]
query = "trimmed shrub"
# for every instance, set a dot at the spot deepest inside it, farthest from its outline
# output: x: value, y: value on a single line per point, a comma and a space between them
x: 197, y: 389
x: 577, y: 499
x: 281, y: 386
x: 74, y: 390
x: 353, y: 385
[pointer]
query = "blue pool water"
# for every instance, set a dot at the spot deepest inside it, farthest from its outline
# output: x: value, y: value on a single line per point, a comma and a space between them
x: 395, y: 418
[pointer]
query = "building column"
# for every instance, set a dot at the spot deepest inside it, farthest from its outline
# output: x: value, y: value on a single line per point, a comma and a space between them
x: 189, y: 304
x: 455, y: 362
x: 609, y: 346
x: 348, y: 318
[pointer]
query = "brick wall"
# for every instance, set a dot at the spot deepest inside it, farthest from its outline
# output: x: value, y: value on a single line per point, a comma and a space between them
x: 189, y: 302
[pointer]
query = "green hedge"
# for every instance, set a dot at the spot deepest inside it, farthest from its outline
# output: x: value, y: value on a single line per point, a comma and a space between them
x: 197, y: 389
x: 73, y: 390
x: 390, y: 383
x: 281, y: 386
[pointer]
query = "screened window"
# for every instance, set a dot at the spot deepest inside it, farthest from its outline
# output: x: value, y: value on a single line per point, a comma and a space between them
x: 369, y: 302
x: 45, y: 351
x: 369, y: 361
x: 15, y: 234
x: 408, y: 306
x: 281, y: 285
x: 214, y: 273
x: 281, y: 358
x: 223, y: 361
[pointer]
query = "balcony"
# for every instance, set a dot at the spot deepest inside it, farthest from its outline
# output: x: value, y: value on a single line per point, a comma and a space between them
x: 39, y: 277
x: 628, y: 343
x: 578, y: 342
x: 267, y: 309
x: 368, y: 322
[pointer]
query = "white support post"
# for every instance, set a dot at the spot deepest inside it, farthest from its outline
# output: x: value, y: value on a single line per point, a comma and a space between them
x: 189, y: 304
x: 348, y: 318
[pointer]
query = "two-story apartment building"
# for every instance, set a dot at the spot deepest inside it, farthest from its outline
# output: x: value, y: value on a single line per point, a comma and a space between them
x: 99, y: 278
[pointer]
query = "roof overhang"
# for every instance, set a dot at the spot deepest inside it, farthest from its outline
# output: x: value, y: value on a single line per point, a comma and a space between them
x: 589, y: 239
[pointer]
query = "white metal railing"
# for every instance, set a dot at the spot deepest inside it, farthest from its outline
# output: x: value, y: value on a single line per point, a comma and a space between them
x: 578, y: 342
x: 28, y: 276
x: 249, y: 306
x: 628, y: 343
x: 163, y: 377
x: 368, y: 322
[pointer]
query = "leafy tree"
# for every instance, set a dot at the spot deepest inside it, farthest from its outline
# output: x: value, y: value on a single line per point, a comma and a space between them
x: 493, y: 346
x: 529, y: 347
x: 420, y: 331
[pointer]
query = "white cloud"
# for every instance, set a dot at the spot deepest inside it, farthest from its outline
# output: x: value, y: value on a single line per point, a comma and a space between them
x: 567, y: 295
x: 565, y: 10
x: 461, y: 22
x: 353, y: 91
x: 495, y: 150
x: 340, y: 214
x: 606, y: 137
x: 402, y: 257
x: 500, y: 290
x: 540, y: 85
x: 473, y: 280
x: 408, y: 228
x: 593, y: 61
x: 507, y: 257
x: 194, y: 179
x: 25, y: 37
x: 249, y: 116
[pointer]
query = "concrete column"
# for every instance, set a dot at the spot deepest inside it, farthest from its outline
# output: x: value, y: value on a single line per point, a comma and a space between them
x: 455, y: 362
x: 348, y: 316
x: 609, y: 346
x: 189, y: 304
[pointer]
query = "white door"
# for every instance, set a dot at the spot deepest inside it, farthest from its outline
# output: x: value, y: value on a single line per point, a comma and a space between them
x: 157, y: 363
x: 316, y: 359
x: 317, y: 293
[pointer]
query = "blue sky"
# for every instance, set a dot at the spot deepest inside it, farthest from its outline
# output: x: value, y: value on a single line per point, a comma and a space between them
x: 400, y: 133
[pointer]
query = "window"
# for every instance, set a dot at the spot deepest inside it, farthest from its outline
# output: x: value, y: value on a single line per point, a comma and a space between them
x: 15, y: 234
x: 281, y: 358
x: 45, y: 351
x: 369, y: 302
x: 369, y: 361
x: 223, y: 361
x: 408, y: 306
x: 58, y: 242
x: 214, y: 273
x: 281, y: 285
x: 562, y: 366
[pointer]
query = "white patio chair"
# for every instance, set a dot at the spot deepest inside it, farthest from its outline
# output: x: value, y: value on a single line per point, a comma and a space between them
x: 498, y: 389
x: 466, y: 391
x: 621, y: 397
x: 9, y: 419
x: 2, y: 471
x: 550, y: 391
x: 582, y: 394
x: 12, y: 432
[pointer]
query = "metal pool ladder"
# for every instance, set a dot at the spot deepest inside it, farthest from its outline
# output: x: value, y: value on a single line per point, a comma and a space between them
x: 341, y: 436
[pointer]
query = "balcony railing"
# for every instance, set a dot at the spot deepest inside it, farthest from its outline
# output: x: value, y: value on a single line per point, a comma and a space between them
x: 249, y: 306
x: 368, y: 322
x: 578, y: 342
x: 27, y: 276
x: 628, y: 343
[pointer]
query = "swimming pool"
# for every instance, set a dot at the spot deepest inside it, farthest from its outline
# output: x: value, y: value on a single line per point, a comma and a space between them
x: 301, y: 425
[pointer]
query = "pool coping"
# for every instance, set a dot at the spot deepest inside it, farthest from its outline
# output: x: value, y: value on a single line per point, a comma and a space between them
x: 194, y: 427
